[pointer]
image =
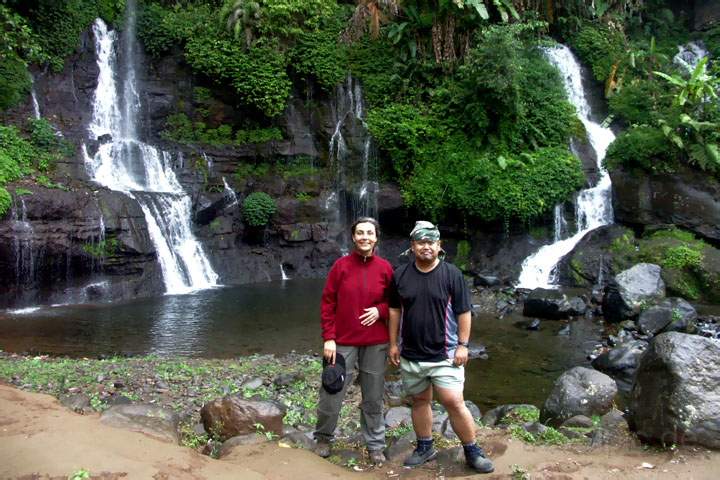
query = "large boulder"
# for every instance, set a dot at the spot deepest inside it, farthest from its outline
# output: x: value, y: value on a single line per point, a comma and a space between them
x: 546, y: 303
x: 688, y: 198
x: 152, y: 420
x: 231, y: 416
x: 676, y: 395
x: 578, y: 391
x: 621, y: 362
x: 631, y: 290
x: 672, y: 314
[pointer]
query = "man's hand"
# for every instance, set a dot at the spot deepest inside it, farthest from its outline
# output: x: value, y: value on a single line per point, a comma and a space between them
x: 370, y: 316
x: 461, y: 355
x: 329, y: 350
x: 394, y: 355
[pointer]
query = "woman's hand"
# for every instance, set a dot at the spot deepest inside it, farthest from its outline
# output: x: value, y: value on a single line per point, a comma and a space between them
x: 329, y: 350
x: 370, y: 316
x: 394, y: 355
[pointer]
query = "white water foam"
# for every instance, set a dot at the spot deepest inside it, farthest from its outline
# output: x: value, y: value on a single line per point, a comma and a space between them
x: 593, y: 205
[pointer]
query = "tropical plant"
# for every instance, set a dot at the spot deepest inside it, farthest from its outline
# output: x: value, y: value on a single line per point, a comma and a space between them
x: 242, y: 17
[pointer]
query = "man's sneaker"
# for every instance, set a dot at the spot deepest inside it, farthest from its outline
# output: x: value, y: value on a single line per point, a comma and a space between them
x: 419, y: 457
x: 476, y: 459
x: 377, y: 457
x: 322, y: 448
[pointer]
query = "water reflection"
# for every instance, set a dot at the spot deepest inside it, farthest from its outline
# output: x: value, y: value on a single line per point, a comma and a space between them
x: 277, y: 318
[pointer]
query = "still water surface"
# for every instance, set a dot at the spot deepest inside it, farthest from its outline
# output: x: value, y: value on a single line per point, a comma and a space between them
x: 277, y: 318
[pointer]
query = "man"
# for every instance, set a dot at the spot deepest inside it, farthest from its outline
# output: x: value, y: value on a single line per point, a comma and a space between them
x: 430, y: 312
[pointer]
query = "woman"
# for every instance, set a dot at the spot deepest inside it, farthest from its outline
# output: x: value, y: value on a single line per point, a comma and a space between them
x: 354, y: 313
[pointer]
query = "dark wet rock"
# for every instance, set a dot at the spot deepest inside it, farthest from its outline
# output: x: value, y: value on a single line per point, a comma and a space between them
x: 631, y: 290
x: 402, y: 448
x: 286, y: 379
x: 77, y: 402
x: 578, y: 391
x: 672, y: 314
x: 590, y: 263
x: 397, y: 416
x: 578, y: 421
x: 572, y: 434
x: 115, y: 399
x: 612, y: 430
x: 485, y: 281
x: 565, y: 330
x: 477, y: 350
x: 577, y: 308
x: 233, y: 415
x: 534, y: 428
x: 152, y: 420
x: 688, y: 198
x: 394, y: 395
x: 533, y: 325
x: 439, y: 422
x: 621, y: 362
x: 238, y: 441
x: 300, y: 439
x: 496, y: 415
x: 628, y: 325
x: 675, y: 397
x: 546, y: 303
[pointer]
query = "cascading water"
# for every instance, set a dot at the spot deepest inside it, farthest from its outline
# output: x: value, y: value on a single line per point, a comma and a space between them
x: 593, y: 205
x: 139, y: 170
x: 689, y: 55
x: 283, y: 275
x: 35, y: 104
x: 355, y: 195
x: 230, y: 196
x: 23, y: 235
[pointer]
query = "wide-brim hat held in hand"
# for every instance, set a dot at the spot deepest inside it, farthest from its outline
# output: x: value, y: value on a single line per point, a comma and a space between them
x: 333, y: 376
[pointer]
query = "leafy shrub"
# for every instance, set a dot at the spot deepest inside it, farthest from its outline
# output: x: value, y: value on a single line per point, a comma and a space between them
x: 258, y: 135
x: 258, y: 208
x: 374, y: 63
x: 5, y: 201
x: 643, y: 147
x: 15, y: 80
x: 601, y: 46
x: 638, y: 102
x: 160, y: 28
x: 258, y: 76
x: 321, y: 56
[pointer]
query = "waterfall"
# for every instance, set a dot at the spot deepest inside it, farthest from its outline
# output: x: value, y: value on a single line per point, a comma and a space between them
x: 139, y: 170
x: 23, y: 235
x: 283, y: 275
x: 354, y: 160
x: 33, y: 96
x: 230, y: 195
x: 689, y: 55
x: 593, y: 205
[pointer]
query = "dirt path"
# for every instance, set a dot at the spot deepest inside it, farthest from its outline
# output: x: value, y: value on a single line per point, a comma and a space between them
x: 40, y: 439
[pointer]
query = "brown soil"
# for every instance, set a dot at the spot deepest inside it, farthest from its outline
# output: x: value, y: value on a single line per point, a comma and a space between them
x: 40, y: 439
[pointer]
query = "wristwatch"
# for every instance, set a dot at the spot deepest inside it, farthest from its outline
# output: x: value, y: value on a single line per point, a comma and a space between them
x: 464, y: 344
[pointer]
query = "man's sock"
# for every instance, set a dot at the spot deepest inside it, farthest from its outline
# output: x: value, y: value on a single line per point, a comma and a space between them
x: 472, y: 450
x: 424, y: 444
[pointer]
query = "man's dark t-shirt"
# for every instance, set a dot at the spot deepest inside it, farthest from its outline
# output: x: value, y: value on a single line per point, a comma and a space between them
x: 430, y: 304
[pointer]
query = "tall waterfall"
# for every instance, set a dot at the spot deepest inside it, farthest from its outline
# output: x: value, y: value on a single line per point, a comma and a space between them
x: 352, y: 155
x: 139, y: 170
x: 593, y: 206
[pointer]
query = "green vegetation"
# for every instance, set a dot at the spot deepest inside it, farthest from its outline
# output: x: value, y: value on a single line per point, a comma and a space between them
x: 690, y: 267
x: 102, y: 249
x: 28, y: 153
x: 180, y: 129
x: 258, y: 208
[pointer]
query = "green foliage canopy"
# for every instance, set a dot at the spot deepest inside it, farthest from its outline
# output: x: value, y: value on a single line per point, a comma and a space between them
x: 258, y: 208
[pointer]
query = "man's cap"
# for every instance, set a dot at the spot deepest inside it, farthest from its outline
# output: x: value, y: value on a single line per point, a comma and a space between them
x: 424, y: 231
x: 333, y: 376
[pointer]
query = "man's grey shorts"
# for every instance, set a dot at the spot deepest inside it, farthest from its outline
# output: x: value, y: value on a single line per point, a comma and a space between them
x: 417, y: 376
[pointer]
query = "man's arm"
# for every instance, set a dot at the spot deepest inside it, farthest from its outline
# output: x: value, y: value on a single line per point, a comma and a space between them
x: 464, y: 323
x: 394, y: 331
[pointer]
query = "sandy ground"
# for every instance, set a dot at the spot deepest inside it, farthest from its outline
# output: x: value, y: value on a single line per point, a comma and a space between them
x: 40, y: 439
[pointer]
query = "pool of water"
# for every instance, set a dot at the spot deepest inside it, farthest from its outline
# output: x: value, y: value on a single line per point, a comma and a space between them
x: 279, y: 317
